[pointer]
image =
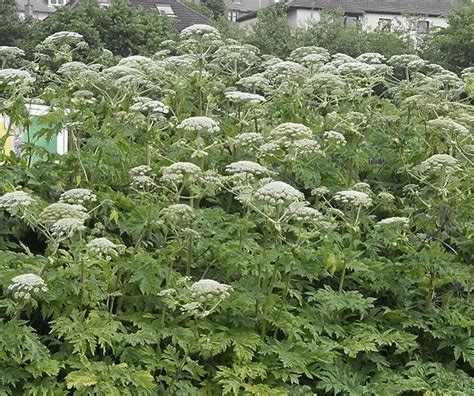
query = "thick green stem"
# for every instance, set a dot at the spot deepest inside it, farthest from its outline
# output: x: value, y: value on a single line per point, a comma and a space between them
x: 431, y: 289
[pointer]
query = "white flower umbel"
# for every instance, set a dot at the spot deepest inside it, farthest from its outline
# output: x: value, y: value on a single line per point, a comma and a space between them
x: 246, y: 168
x: 437, y: 163
x: 200, y: 31
x: 305, y: 146
x: 255, y: 82
x: 335, y: 137
x: 320, y: 191
x: 371, y: 58
x: 277, y: 192
x: 249, y: 138
x: 60, y: 210
x: 209, y: 289
x: 22, y: 286
x: 71, y: 68
x: 13, y: 202
x: 244, y: 97
x: 299, y: 211
x: 449, y: 126
x: 141, y: 170
x: 177, y: 172
x: 142, y: 182
x: 204, y: 125
x: 386, y: 196
x: 104, y: 247
x: 394, y: 222
x: 179, y: 212
x: 11, y: 52
x: 15, y: 77
x: 192, y: 309
x: 363, y: 187
x: 65, y: 228
x: 148, y: 106
x: 353, y: 198
x: 62, y: 36
x: 290, y: 131
x: 78, y: 196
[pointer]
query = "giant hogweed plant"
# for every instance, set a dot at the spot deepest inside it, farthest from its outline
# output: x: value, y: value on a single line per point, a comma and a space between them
x: 231, y: 223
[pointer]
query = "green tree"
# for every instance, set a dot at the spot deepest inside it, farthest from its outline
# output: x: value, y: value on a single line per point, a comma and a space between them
x: 453, y: 47
x: 122, y: 29
x: 12, y: 27
x: 272, y: 32
x: 217, y: 7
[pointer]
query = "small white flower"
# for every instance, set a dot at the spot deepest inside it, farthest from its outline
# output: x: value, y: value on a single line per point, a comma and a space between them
x: 148, y: 106
x: 277, y: 192
x: 200, y: 31
x: 11, y: 52
x: 386, y: 196
x: 65, y: 228
x: 244, y: 97
x: 320, y: 191
x: 449, y: 126
x: 361, y: 186
x: 104, y: 247
x: 79, y: 196
x: 166, y: 292
x: 14, y: 201
x: 192, y: 309
x: 305, y: 146
x: 335, y: 137
x: 23, y: 285
x: 394, y: 221
x: 204, y: 125
x: 352, y: 197
x: 208, y: 289
x: 371, y: 58
x: 12, y: 77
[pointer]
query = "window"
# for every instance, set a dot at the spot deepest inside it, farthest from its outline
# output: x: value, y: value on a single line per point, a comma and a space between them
x: 351, y: 20
x: 233, y: 15
x: 385, y: 24
x: 166, y: 10
x: 57, y: 2
x: 422, y: 27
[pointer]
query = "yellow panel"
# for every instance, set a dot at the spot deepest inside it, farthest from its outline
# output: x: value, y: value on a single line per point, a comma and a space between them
x: 8, y: 147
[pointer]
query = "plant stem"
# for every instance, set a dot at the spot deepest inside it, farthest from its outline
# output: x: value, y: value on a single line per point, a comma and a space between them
x: 431, y: 289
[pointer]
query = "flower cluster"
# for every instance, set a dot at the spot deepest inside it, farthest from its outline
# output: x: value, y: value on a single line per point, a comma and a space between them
x: 289, y: 131
x: 11, y: 52
x: 305, y: 147
x: 104, y: 247
x: 355, y: 198
x: 62, y: 36
x: 142, y: 182
x: 60, y: 210
x: 15, y: 77
x: 449, y: 126
x: 78, y: 196
x: 200, y: 31
x: 299, y: 211
x: 66, y: 227
x: 438, y: 162
x: 148, y: 106
x: 249, y: 138
x: 335, y: 137
x: 244, y: 97
x: 22, y: 286
x: 394, y: 222
x: 177, y: 172
x: 203, y: 125
x: 209, y: 289
x: 277, y: 192
x: 15, y: 201
x: 141, y: 170
x: 179, y: 213
x: 246, y: 168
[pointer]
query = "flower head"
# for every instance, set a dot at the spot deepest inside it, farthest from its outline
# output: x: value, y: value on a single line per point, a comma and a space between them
x: 78, y: 196
x: 249, y: 138
x: 277, y: 192
x: 335, y: 137
x: 15, y: 77
x: 394, y: 221
x: 60, y: 210
x: 355, y: 198
x: 200, y: 31
x: 141, y: 170
x: 22, y: 286
x: 142, y: 182
x: 65, y: 228
x: 208, y: 289
x: 104, y: 247
x: 299, y: 211
x: 179, y: 212
x: 14, y: 201
x: 62, y: 36
x: 244, y: 97
x: 204, y: 125
x: 245, y: 168
x: 177, y: 172
x: 148, y: 106
x: 290, y: 131
x: 438, y: 162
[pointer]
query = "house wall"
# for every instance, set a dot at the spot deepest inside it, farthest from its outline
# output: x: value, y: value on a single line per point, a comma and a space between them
x: 371, y: 21
x: 304, y: 17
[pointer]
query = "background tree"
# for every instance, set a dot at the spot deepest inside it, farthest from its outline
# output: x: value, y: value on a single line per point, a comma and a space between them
x: 120, y: 28
x: 453, y: 47
x: 12, y: 28
x: 217, y: 7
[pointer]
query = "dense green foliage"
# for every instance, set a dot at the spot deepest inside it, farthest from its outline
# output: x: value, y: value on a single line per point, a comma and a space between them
x: 11, y: 27
x: 327, y: 210
x: 453, y: 47
x: 120, y: 28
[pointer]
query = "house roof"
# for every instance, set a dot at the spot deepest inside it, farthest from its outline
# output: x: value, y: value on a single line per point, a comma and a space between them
x: 421, y: 7
x: 38, y: 6
x: 185, y: 15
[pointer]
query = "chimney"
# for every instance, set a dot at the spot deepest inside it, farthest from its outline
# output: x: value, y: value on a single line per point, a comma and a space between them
x: 28, y: 9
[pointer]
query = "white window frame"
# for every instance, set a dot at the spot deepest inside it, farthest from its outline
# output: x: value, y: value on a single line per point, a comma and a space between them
x: 57, y: 3
x: 165, y: 10
x: 233, y: 15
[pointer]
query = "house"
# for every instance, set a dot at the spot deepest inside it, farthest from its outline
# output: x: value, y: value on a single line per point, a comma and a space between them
x: 183, y: 14
x: 371, y: 14
x: 239, y: 8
